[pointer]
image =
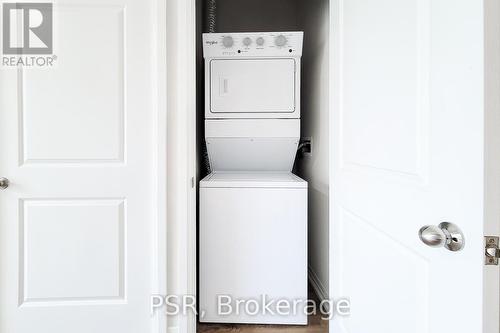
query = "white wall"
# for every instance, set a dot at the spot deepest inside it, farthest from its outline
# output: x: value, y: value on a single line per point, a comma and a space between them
x: 257, y: 15
x: 314, y: 19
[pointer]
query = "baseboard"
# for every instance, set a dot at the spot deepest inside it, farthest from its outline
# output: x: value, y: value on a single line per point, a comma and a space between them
x: 318, y: 287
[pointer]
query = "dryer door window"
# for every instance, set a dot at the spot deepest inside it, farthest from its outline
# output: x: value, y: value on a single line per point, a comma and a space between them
x: 252, y: 86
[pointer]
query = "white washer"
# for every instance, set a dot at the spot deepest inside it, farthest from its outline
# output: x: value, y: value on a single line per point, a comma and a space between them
x: 253, y: 242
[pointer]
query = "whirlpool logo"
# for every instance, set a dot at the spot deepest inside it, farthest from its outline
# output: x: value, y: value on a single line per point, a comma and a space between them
x: 27, y: 30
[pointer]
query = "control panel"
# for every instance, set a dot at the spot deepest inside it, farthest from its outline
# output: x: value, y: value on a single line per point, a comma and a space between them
x: 255, y: 44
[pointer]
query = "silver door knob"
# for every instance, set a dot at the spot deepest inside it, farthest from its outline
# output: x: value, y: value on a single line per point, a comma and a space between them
x: 445, y: 235
x: 4, y: 183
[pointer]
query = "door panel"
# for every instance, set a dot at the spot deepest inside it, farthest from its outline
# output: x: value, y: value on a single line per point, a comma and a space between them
x: 407, y: 136
x: 84, y: 133
x: 91, y: 267
x: 252, y: 86
x: 390, y: 67
x: 77, y: 142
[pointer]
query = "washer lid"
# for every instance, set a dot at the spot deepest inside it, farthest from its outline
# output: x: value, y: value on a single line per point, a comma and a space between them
x: 252, y: 179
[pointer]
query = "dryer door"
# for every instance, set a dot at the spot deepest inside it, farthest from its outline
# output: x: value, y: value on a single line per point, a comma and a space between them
x: 252, y: 86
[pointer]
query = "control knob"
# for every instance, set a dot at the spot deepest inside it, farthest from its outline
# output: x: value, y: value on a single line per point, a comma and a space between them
x: 227, y: 41
x: 280, y: 41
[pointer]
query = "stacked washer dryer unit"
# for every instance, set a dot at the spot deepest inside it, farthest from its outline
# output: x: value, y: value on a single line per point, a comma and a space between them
x: 253, y: 210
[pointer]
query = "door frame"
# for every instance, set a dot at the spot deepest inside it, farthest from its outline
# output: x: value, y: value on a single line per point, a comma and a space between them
x: 491, y: 277
x: 335, y: 8
x: 159, y: 243
x: 180, y: 166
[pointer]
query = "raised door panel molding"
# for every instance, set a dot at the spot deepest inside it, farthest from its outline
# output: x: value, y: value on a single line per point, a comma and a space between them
x: 76, y: 112
x: 72, y: 250
x: 397, y: 130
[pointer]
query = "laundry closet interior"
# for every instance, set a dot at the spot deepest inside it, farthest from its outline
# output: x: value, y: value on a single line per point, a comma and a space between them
x: 263, y: 150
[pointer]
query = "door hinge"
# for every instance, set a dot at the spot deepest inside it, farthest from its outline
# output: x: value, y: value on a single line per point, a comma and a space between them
x: 491, y: 250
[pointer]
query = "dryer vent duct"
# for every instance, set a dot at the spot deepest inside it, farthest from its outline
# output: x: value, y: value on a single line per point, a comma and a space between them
x: 211, y: 24
x: 212, y: 15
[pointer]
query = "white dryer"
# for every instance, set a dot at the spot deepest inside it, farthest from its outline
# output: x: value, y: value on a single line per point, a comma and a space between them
x: 252, y: 75
x: 253, y: 210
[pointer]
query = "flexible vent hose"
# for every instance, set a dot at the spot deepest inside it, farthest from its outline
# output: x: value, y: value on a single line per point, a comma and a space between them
x: 211, y: 24
x: 212, y: 16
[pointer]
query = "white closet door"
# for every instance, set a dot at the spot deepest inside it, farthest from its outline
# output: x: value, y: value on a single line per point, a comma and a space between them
x: 408, y: 137
x: 77, y: 144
